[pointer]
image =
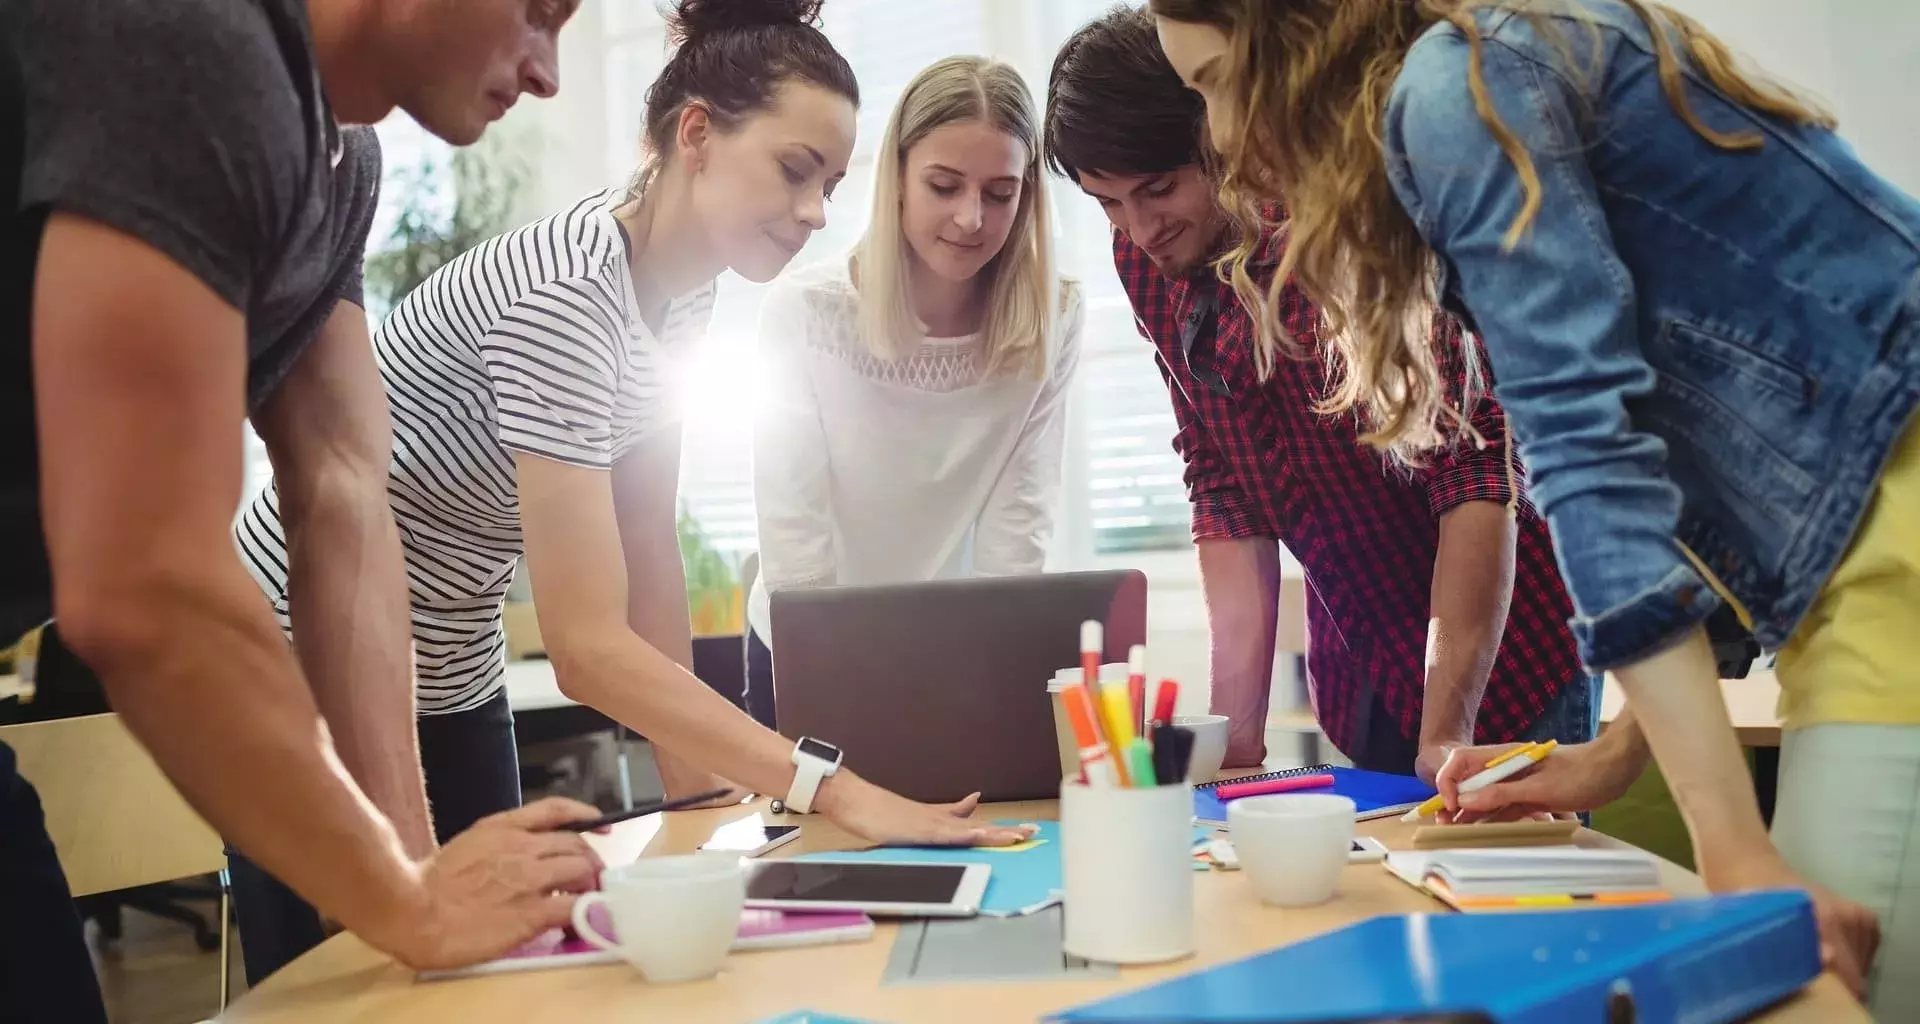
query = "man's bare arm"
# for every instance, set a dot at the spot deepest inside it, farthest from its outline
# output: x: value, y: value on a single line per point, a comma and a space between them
x: 327, y: 431
x: 1240, y: 578
x: 139, y: 374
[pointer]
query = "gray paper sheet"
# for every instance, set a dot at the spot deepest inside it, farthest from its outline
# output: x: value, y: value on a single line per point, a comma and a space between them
x: 987, y: 950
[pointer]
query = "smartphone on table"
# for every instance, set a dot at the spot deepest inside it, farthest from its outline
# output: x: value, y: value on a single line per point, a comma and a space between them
x: 750, y: 837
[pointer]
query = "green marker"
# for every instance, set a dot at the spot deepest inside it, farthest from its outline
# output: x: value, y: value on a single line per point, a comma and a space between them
x: 1140, y: 763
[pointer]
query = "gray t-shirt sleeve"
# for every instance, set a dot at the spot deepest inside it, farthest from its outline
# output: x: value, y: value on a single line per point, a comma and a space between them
x: 175, y: 122
x: 359, y: 178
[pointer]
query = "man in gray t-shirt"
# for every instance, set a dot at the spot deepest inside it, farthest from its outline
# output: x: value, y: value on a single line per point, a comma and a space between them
x: 179, y: 248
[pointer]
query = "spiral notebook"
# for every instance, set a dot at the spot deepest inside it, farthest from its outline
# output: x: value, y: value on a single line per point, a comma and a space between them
x: 1374, y: 794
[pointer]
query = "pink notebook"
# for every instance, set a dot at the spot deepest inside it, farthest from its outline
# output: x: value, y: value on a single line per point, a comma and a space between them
x: 759, y: 929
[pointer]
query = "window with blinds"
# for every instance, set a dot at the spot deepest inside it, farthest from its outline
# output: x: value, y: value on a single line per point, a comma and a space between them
x: 1135, y: 499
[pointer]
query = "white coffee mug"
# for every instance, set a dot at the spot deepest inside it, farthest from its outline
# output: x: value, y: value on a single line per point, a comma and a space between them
x: 1292, y: 846
x: 675, y: 917
x: 1209, y: 745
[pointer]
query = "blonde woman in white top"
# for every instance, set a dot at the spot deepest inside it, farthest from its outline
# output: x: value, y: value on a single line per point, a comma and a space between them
x: 919, y: 395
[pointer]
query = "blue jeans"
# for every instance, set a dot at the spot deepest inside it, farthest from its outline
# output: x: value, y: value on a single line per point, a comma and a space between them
x: 1573, y: 717
x: 46, y: 974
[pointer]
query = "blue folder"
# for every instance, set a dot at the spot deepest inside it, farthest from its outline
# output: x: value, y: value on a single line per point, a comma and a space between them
x: 1701, y: 961
x: 1374, y: 794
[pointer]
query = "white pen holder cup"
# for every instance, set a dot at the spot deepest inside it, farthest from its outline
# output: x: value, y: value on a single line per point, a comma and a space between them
x: 1127, y: 857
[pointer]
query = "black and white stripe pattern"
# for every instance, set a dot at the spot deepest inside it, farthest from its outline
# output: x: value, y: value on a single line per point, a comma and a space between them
x: 531, y: 342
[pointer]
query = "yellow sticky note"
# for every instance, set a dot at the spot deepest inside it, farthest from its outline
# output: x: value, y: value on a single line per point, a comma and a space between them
x: 1015, y: 848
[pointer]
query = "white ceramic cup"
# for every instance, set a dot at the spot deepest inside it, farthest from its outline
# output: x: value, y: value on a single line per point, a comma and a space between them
x: 675, y: 917
x: 1126, y: 857
x: 1209, y: 745
x: 1292, y: 846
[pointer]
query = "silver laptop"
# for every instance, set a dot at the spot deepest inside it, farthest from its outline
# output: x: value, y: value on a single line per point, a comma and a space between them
x: 936, y: 690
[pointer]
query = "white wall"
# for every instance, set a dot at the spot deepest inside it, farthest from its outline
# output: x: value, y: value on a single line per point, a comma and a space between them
x: 1860, y: 57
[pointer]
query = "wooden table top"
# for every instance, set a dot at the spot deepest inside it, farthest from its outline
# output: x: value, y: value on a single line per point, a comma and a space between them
x: 1751, y: 703
x: 345, y: 980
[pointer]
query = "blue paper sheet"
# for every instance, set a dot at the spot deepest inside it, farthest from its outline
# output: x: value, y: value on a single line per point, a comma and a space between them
x: 1021, y: 883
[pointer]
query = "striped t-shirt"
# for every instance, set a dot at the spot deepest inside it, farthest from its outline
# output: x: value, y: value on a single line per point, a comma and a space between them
x: 533, y: 343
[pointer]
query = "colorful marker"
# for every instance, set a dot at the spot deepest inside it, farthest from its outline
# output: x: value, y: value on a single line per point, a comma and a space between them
x: 1096, y: 767
x: 1137, y: 685
x: 1163, y: 702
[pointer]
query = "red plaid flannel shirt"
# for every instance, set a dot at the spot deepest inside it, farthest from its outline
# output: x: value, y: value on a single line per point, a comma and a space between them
x: 1262, y: 463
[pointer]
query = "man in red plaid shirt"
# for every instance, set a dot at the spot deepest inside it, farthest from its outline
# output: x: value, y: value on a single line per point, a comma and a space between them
x: 1435, y: 614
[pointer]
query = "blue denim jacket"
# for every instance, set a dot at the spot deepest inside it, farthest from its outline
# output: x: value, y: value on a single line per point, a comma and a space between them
x: 1700, y: 350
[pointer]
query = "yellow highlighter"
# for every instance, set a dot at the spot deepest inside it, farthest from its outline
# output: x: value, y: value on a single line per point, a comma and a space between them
x: 1116, y: 713
x: 1501, y: 768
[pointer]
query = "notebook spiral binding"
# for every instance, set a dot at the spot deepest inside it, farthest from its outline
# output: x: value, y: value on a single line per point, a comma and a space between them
x: 1290, y: 773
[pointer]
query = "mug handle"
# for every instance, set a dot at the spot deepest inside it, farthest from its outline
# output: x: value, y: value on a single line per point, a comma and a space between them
x: 583, y: 927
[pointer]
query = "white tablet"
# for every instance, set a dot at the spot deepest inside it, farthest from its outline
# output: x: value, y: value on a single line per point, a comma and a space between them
x: 879, y: 888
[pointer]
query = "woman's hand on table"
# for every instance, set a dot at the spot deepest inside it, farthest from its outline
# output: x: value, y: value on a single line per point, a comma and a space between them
x: 502, y: 882
x: 1849, y: 932
x: 1578, y: 777
x: 889, y: 819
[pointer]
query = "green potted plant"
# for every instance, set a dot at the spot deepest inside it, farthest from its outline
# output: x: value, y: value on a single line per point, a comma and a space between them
x: 428, y: 233
x: 713, y: 582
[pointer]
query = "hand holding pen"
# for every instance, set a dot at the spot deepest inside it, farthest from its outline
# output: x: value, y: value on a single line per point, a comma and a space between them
x: 1578, y: 777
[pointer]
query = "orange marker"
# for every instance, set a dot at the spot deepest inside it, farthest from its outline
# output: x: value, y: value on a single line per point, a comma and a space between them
x: 1096, y: 766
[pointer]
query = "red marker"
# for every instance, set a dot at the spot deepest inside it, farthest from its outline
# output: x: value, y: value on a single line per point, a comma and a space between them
x: 1137, y: 686
x: 1163, y: 702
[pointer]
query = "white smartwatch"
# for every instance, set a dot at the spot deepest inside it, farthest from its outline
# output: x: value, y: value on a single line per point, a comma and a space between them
x: 814, y: 762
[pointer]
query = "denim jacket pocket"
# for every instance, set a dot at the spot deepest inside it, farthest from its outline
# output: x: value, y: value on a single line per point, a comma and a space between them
x: 1735, y: 416
x: 1711, y: 354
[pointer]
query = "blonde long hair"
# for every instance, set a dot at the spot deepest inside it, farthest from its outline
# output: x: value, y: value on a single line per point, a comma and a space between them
x: 1311, y: 79
x: 1021, y: 298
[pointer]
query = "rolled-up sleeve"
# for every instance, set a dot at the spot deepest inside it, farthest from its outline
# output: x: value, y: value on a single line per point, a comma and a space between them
x: 1484, y: 467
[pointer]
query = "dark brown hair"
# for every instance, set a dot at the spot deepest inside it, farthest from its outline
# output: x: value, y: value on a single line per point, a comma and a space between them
x: 731, y: 56
x: 1114, y: 104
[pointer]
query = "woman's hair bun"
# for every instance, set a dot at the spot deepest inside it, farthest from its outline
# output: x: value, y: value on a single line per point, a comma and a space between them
x: 692, y: 20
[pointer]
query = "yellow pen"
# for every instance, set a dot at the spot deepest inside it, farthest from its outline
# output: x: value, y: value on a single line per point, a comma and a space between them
x: 1501, y: 768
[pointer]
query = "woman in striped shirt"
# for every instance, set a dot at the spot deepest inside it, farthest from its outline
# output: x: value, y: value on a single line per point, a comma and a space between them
x: 528, y: 386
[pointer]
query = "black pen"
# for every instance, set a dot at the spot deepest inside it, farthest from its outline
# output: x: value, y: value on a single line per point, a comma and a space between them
x: 642, y: 810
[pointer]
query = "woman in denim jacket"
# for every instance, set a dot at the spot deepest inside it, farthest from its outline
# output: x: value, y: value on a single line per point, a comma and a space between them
x: 1703, y: 313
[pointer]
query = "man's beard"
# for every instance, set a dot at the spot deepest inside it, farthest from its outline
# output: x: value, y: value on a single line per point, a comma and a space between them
x: 1219, y: 240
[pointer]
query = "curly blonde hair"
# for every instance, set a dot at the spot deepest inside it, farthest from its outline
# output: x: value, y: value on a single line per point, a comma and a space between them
x: 1310, y: 80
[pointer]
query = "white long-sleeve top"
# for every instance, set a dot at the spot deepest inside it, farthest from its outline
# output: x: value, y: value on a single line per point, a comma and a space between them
x: 868, y: 470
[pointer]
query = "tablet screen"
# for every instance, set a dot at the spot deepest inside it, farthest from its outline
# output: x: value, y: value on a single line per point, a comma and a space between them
x: 853, y: 882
